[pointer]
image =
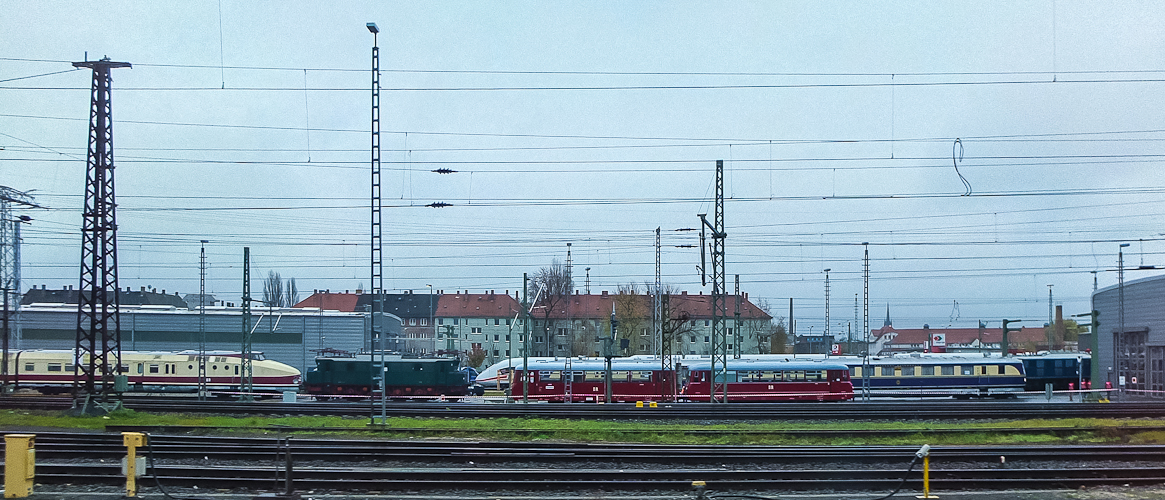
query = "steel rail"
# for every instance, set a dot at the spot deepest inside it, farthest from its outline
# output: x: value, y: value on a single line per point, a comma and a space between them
x: 852, y: 411
x: 364, y: 478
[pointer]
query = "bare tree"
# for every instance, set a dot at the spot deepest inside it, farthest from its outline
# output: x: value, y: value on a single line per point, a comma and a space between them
x: 772, y: 335
x: 273, y: 290
x: 555, y: 285
x: 291, y: 294
x: 634, y: 315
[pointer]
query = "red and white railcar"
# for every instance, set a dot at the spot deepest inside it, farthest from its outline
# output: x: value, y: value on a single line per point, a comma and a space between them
x: 643, y: 379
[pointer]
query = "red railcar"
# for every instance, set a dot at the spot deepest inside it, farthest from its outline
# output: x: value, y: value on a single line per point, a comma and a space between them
x: 643, y: 379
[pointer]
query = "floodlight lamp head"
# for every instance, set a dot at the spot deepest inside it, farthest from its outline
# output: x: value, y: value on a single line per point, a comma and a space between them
x: 372, y: 28
x: 1124, y: 245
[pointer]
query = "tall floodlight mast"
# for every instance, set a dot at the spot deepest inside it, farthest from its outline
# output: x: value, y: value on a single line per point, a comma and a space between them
x: 98, y: 320
x: 376, y: 264
x: 719, y: 393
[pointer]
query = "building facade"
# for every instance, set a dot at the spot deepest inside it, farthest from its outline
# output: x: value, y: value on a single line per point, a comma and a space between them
x: 1130, y: 354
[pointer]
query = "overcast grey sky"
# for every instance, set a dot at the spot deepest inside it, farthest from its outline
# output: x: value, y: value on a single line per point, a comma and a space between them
x: 246, y: 124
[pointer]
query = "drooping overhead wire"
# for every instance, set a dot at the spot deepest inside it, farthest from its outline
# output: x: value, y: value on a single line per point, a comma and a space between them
x: 956, y: 157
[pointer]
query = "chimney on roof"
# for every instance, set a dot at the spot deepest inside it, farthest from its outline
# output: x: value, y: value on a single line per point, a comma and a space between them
x: 685, y: 292
x: 143, y: 288
x: 346, y: 292
x: 163, y: 291
x: 604, y: 293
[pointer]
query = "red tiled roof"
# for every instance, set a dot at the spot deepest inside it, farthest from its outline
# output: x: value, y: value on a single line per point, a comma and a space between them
x: 330, y: 301
x: 599, y: 305
x: 477, y: 305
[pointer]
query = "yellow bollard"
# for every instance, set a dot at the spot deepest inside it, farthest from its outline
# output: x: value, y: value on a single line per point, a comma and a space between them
x: 639, y: 404
x: 654, y: 404
x: 19, y: 464
x: 132, y: 440
x: 925, y: 452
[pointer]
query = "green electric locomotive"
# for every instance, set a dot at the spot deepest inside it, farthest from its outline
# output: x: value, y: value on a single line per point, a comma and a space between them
x: 405, y: 377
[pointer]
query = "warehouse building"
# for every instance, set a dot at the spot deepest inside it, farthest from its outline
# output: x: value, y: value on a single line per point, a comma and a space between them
x: 1132, y: 357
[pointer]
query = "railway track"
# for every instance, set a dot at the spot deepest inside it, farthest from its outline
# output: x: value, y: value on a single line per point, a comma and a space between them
x: 504, y: 479
x: 109, y: 445
x: 856, y: 411
x: 75, y: 458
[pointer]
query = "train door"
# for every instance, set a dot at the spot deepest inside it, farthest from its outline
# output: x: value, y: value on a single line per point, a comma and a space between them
x: 683, y: 380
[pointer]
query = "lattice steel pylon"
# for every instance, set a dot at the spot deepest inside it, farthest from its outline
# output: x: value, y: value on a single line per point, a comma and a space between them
x: 246, y: 377
x: 98, y: 321
x: 10, y: 267
x: 719, y: 393
x: 202, y: 322
x: 376, y: 259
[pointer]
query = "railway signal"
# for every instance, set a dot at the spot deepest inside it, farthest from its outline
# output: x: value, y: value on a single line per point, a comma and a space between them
x: 1003, y: 344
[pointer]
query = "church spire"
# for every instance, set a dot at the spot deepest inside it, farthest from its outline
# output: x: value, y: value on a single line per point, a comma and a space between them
x: 888, y: 322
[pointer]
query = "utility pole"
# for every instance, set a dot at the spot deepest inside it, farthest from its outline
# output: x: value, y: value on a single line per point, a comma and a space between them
x: 736, y: 326
x: 202, y: 323
x: 719, y: 383
x: 667, y: 359
x: 866, y: 322
x: 657, y: 307
x: 525, y: 339
x: 828, y: 337
x: 245, y: 386
x: 10, y: 267
x: 98, y: 316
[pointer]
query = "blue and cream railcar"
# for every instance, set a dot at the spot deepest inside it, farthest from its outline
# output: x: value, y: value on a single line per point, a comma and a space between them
x: 938, y: 375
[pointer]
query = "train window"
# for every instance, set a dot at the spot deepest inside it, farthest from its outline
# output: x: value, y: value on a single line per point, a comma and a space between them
x: 236, y: 369
x: 153, y: 368
x: 968, y: 370
x: 189, y: 367
x: 54, y: 367
x: 69, y: 367
x: 948, y: 370
x: 927, y: 371
x: 620, y: 375
x: 141, y: 368
x: 887, y: 371
x: 641, y: 376
x: 120, y: 368
x: 908, y: 371
x: 595, y: 377
x: 549, y: 375
x: 795, y: 376
x: 853, y: 371
x: 29, y: 367
x: 1001, y: 369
